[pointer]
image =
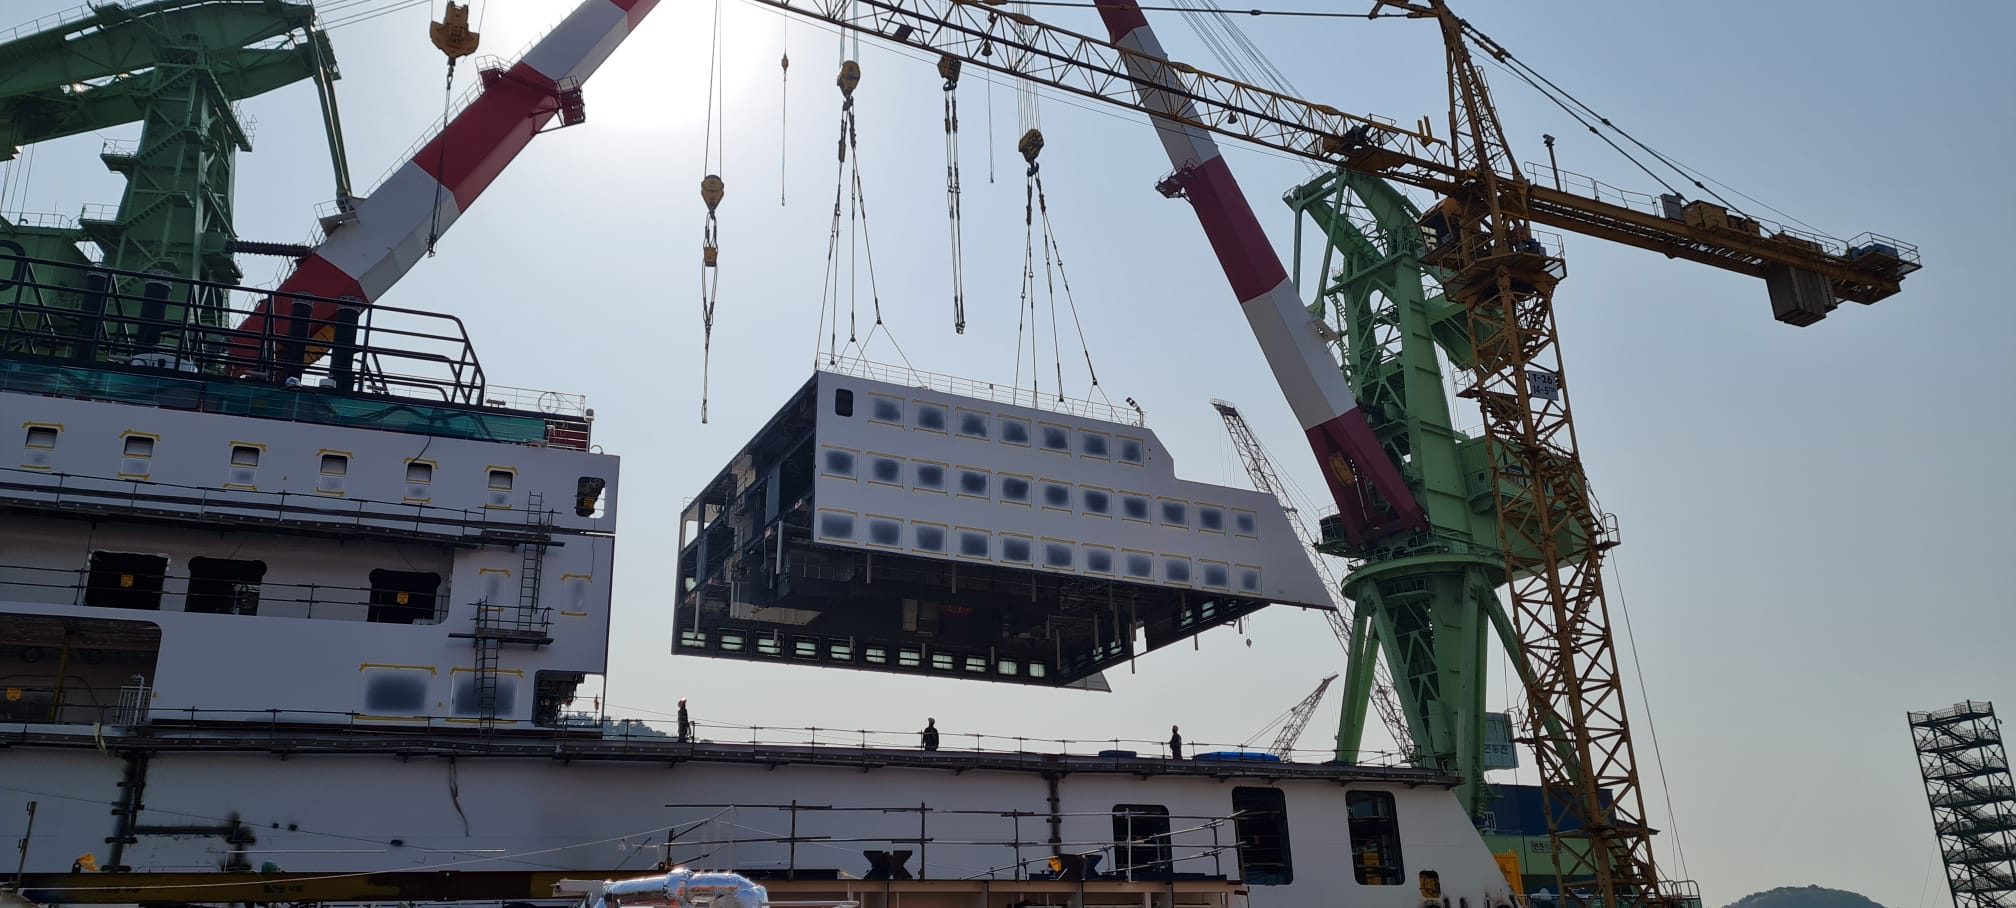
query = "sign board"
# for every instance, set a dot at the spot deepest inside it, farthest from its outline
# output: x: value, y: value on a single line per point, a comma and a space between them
x: 1543, y: 385
x: 1498, y: 750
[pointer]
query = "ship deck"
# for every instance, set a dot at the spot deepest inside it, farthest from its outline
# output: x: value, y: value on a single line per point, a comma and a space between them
x: 291, y: 740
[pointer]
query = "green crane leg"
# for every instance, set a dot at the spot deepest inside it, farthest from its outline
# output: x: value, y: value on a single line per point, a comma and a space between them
x: 1360, y: 655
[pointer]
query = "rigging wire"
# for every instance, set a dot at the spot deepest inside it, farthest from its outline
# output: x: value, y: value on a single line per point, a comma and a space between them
x: 1651, y: 727
x: 1036, y: 203
x: 948, y: 67
x: 783, y: 112
x: 860, y: 245
x: 711, y: 191
x: 455, y: 39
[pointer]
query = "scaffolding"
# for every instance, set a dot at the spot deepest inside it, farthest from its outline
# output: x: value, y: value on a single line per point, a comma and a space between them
x: 1973, y: 803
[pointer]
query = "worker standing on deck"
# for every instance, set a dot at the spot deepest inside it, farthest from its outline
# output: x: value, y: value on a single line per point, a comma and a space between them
x: 1175, y: 743
x: 685, y: 724
x: 930, y: 734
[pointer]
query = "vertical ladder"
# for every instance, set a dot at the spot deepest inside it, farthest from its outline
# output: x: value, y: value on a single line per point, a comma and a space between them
x: 527, y: 622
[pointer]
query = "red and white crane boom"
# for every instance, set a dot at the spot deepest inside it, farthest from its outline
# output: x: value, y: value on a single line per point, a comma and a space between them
x: 381, y: 237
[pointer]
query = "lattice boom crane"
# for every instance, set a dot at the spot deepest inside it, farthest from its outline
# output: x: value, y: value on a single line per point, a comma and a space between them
x: 1480, y: 235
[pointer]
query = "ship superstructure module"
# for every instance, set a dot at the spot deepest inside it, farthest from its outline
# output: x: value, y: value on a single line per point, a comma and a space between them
x: 297, y: 604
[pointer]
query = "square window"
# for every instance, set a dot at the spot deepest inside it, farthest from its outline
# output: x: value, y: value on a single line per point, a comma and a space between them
x: 977, y: 664
x: 1057, y: 554
x: 1249, y: 578
x: 1098, y: 502
x: 139, y: 446
x: 501, y: 480
x: 837, y: 462
x: 929, y: 477
x: 1134, y: 507
x: 836, y: 525
x: 975, y: 544
x: 972, y: 425
x: 1015, y: 549
x: 1098, y: 559
x: 1056, y: 495
x: 335, y: 464
x: 768, y: 646
x: 972, y: 483
x: 1015, y: 431
x: 1216, y: 574
x: 1210, y: 518
x: 929, y: 417
x: 1014, y: 489
x: 1094, y: 444
x: 930, y: 537
x: 941, y: 662
x: 733, y: 642
x: 1138, y: 565
x: 885, y: 469
x: 419, y: 471
x: 1037, y: 670
x: 909, y: 658
x: 1176, y: 568
x: 1055, y: 438
x: 885, y: 409
x: 885, y: 531
x: 1007, y: 667
x: 1175, y: 513
x: 41, y: 437
x: 1132, y: 450
x: 875, y: 654
x: 1245, y: 523
x: 843, y: 402
x: 244, y: 456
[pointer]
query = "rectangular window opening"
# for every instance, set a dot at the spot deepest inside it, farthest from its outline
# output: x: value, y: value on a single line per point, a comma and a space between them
x: 843, y: 402
x: 244, y: 456
x: 1375, y: 837
x: 335, y: 465
x: 224, y: 586
x: 1261, y: 824
x: 139, y: 446
x: 403, y: 597
x: 501, y: 480
x: 125, y: 580
x: 1141, y: 838
x: 41, y: 437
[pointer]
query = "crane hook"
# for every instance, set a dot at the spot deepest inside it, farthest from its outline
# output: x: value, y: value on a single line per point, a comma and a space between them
x: 711, y: 189
x: 452, y: 34
x: 948, y: 69
x: 850, y: 76
x: 1030, y: 146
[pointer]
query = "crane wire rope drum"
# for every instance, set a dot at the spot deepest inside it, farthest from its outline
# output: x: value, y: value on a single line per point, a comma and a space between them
x: 712, y: 188
x: 455, y: 39
x: 948, y: 67
x: 848, y: 184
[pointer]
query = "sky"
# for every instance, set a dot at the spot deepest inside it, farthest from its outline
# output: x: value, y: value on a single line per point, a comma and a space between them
x: 1812, y: 521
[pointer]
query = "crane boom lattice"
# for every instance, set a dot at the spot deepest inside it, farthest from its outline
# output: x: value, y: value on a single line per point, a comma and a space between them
x: 1298, y: 720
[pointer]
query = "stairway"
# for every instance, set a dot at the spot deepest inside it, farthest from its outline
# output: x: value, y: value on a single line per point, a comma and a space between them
x: 527, y: 623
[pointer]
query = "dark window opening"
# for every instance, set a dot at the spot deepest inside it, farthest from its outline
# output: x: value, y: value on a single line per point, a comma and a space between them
x: 502, y: 480
x: 1014, y: 488
x: 1243, y: 523
x: 839, y: 463
x: 1056, y: 439
x: 395, y: 693
x: 403, y: 597
x: 1140, y: 566
x: 973, y: 483
x: 419, y: 471
x: 1015, y: 431
x: 1134, y: 507
x: 1057, y: 554
x: 884, y: 409
x: 1375, y: 837
x: 1097, y: 502
x: 1215, y: 575
x: 1014, y: 549
x: 1177, y: 569
x: 1261, y: 823
x: 553, y: 692
x: 125, y: 580
x: 836, y: 526
x: 1057, y: 495
x: 886, y: 469
x: 843, y: 402
x: 138, y: 446
x: 1130, y: 450
x: 1099, y: 561
x: 588, y: 496
x: 1211, y: 519
x: 931, y: 476
x: 244, y: 456
x: 973, y: 545
x: 931, y: 417
x: 335, y: 464
x: 1174, y: 514
x: 972, y: 425
x: 41, y: 437
x: 1141, y: 838
x: 885, y: 532
x: 930, y: 538
x: 224, y: 586
x: 1094, y: 445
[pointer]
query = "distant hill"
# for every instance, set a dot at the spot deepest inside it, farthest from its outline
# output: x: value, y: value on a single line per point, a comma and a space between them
x: 1804, y: 897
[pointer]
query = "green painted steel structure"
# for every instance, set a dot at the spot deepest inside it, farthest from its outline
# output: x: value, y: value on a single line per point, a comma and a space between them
x: 1427, y: 602
x: 178, y: 68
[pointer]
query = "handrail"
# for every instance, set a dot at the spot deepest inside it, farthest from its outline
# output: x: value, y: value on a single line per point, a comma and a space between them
x: 966, y: 387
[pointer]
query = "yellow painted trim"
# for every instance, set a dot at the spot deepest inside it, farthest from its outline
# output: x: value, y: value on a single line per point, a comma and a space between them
x: 247, y: 444
x: 573, y: 614
x: 30, y: 466
x: 43, y: 425
x: 481, y: 571
x: 566, y: 577
x: 429, y: 669
x: 339, y: 493
x: 241, y: 486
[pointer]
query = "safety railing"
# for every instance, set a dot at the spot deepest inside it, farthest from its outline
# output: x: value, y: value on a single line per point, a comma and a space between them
x: 43, y: 702
x: 56, y: 20
x: 1592, y: 188
x: 1145, y: 846
x: 981, y: 742
x: 1048, y: 401
x: 362, y: 515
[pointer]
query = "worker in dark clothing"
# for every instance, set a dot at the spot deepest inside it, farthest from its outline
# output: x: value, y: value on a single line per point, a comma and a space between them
x: 930, y: 734
x: 685, y: 724
x: 1175, y: 743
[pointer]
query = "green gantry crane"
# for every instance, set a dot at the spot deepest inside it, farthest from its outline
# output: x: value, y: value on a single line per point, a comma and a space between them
x: 178, y: 68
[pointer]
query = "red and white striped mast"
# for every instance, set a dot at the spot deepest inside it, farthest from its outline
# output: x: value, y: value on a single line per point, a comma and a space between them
x: 1372, y: 498
x: 383, y: 236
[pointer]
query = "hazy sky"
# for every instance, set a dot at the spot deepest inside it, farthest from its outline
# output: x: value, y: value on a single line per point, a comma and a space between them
x: 1813, y: 523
